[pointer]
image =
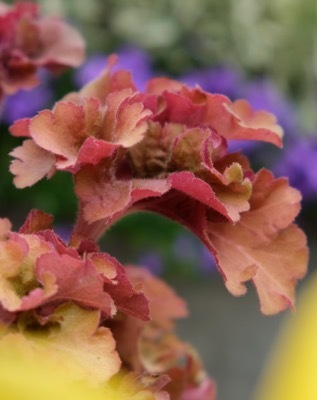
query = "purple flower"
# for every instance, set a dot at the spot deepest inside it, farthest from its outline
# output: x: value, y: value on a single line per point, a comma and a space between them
x: 299, y: 164
x: 188, y: 249
x: 208, y: 263
x: 26, y: 103
x: 130, y: 58
x: 221, y: 79
x: 153, y: 261
x: 185, y: 248
x: 64, y: 231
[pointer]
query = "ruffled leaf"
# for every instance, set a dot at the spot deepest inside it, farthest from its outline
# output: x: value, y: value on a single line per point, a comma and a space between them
x: 195, y: 107
x: 165, y: 304
x: 264, y: 245
x: 32, y: 164
x: 76, y: 281
x: 253, y: 125
x: 63, y: 130
x: 18, y: 286
x: 128, y: 299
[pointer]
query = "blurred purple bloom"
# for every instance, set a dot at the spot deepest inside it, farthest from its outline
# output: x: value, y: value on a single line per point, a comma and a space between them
x: 130, y: 58
x: 90, y: 69
x: 64, y: 231
x: 188, y: 249
x: 207, y: 264
x: 220, y: 79
x: 153, y: 261
x: 299, y: 164
x: 26, y: 103
x: 185, y: 248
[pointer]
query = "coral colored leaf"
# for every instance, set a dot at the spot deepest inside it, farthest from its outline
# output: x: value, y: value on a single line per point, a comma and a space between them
x: 94, y: 150
x: 107, y: 82
x: 128, y: 299
x: 21, y: 127
x: 264, y: 245
x: 236, y: 191
x: 78, y: 343
x: 197, y: 189
x: 31, y: 165
x: 75, y: 134
x: 76, y: 280
x: 124, y: 118
x: 196, y: 108
x: 57, y: 243
x: 165, y: 304
x: 36, y: 221
x: 253, y: 125
x: 145, y: 188
x: 62, y: 130
x: 159, y: 85
x: 191, y: 199
x: 105, y: 197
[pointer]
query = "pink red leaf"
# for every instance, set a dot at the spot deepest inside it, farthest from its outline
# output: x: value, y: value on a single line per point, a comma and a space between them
x: 128, y: 299
x: 94, y: 150
x: 76, y: 281
x: 195, y: 188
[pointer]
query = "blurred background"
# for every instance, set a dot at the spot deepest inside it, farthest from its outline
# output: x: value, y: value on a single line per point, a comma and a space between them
x: 264, y: 51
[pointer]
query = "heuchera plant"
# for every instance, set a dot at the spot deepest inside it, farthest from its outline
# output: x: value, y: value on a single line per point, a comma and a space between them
x: 163, y: 150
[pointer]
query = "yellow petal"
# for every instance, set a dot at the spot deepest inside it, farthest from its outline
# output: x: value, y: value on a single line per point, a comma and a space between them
x: 291, y: 372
